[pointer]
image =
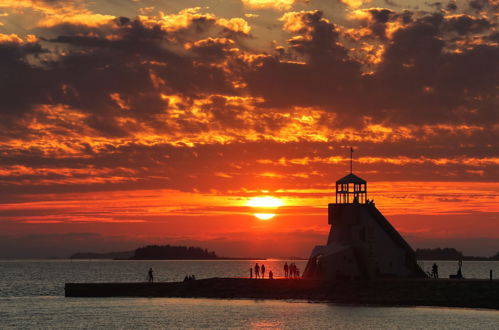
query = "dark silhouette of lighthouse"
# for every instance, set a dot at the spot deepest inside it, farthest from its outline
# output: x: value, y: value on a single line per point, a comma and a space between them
x: 361, y: 243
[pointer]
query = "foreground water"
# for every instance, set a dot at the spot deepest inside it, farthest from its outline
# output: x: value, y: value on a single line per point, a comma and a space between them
x: 31, y: 296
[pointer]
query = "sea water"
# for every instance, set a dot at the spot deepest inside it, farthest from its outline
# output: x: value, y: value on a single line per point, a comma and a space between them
x: 32, y: 296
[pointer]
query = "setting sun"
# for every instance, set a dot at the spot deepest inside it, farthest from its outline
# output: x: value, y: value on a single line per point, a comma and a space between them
x: 266, y: 203
x: 264, y: 216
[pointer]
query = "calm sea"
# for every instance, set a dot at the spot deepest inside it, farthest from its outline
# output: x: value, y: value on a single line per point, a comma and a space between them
x: 32, y: 296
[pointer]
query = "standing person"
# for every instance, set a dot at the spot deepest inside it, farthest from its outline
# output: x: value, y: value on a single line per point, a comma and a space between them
x: 271, y: 275
x: 263, y: 270
x: 459, y: 272
x: 257, y: 271
x: 434, y: 270
x: 286, y: 270
x: 150, y: 277
x: 251, y: 272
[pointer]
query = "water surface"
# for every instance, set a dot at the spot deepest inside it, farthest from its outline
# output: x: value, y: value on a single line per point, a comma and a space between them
x: 31, y: 296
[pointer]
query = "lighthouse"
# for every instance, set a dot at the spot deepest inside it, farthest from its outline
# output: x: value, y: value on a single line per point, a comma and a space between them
x: 362, y: 244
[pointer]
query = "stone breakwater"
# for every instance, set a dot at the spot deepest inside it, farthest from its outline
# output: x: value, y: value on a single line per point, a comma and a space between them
x: 409, y: 292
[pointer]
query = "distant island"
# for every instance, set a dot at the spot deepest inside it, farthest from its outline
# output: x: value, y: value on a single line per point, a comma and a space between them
x: 154, y: 252
x: 449, y: 254
x: 171, y: 252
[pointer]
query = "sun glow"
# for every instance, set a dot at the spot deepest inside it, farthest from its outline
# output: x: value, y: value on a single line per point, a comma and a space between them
x: 266, y: 201
x: 264, y: 216
x: 267, y: 204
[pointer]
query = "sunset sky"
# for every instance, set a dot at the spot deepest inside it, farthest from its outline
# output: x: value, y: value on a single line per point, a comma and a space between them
x: 130, y: 122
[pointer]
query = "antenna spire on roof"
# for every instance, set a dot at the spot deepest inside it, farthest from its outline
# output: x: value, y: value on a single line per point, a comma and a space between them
x: 351, y: 159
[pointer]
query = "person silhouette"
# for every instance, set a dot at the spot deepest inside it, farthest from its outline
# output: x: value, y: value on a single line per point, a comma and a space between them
x: 257, y: 271
x: 251, y: 272
x: 286, y: 270
x: 434, y: 270
x: 150, y: 277
x: 271, y: 275
x: 263, y: 270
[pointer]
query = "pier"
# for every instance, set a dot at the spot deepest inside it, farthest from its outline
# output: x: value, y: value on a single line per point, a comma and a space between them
x: 388, y: 292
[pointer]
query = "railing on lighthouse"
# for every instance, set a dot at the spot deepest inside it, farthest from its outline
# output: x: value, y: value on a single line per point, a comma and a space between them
x: 351, y: 188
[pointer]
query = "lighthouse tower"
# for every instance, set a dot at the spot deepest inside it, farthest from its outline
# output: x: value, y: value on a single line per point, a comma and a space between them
x: 361, y: 242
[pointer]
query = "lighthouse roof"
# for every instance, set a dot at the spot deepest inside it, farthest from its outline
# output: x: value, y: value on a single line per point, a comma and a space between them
x: 350, y: 178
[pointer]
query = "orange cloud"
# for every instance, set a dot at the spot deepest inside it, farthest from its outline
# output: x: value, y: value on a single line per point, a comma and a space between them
x: 173, y: 22
x: 294, y: 21
x: 28, y: 4
x: 235, y: 24
x: 87, y: 18
x: 224, y: 42
x: 401, y: 160
x: 59, y: 131
x: 14, y: 38
x: 184, y: 18
x: 52, y: 14
x: 157, y: 206
x: 355, y: 3
x: 275, y: 4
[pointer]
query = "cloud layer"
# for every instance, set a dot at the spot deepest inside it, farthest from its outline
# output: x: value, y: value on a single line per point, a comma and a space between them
x: 255, y: 96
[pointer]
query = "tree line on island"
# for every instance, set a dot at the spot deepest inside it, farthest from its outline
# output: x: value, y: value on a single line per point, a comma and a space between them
x: 154, y: 252
x: 448, y: 254
x: 172, y: 252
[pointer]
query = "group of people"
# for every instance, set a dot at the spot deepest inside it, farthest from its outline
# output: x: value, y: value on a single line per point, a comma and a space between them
x: 291, y: 270
x: 150, y: 276
x: 260, y: 271
x: 188, y: 278
x: 434, y: 271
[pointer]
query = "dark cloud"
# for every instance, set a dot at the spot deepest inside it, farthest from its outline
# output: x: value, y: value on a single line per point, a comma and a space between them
x: 327, y: 75
x: 477, y: 4
x: 419, y: 80
x: 121, y: 62
x: 22, y: 85
x: 137, y: 62
x: 118, y: 75
x: 379, y: 19
x: 135, y: 107
x: 451, y: 6
x: 464, y: 24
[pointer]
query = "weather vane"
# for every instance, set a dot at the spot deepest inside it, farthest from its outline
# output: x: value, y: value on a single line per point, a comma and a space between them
x: 351, y: 159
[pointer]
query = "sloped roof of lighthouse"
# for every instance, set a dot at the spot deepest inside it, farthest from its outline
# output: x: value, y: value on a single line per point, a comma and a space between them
x: 350, y: 178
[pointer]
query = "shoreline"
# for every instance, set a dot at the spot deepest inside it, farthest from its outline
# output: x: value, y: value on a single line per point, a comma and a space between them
x: 383, y: 292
